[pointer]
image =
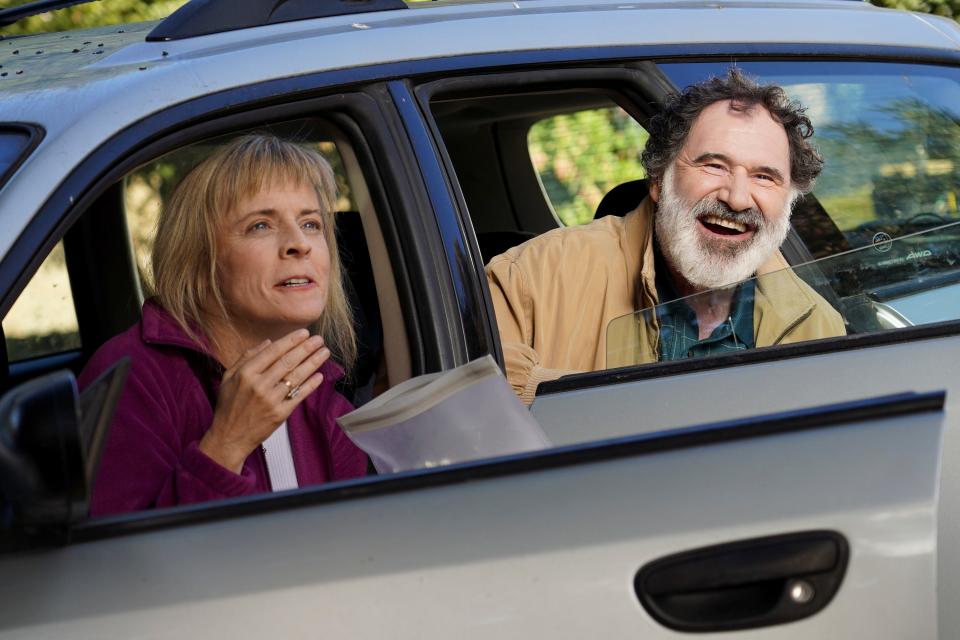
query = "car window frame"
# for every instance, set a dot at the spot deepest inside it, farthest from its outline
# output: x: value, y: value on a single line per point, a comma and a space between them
x: 356, y: 114
x: 474, y: 81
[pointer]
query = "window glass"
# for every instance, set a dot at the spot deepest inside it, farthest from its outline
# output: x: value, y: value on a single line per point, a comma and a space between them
x: 908, y: 281
x: 580, y: 156
x: 43, y: 320
x: 890, y: 138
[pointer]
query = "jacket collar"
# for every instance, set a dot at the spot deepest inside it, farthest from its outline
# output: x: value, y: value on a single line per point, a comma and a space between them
x: 157, y: 327
x: 637, y: 242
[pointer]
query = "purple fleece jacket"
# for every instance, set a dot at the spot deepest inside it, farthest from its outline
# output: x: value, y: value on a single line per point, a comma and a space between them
x: 151, y: 458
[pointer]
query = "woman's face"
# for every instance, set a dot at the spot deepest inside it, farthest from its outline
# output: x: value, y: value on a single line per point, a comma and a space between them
x: 273, y: 263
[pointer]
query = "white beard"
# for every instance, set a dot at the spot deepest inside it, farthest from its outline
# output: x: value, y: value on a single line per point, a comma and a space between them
x: 707, y: 264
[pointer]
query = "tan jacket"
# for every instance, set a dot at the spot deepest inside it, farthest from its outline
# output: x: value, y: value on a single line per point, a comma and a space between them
x: 555, y: 295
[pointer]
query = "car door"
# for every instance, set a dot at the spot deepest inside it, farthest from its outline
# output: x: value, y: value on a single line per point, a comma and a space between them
x: 866, y: 154
x: 542, y: 544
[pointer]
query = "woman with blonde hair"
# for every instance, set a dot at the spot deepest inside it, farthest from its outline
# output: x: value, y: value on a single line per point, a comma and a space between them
x: 229, y: 394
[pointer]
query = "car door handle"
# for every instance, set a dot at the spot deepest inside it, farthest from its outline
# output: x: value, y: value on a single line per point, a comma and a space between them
x: 744, y: 584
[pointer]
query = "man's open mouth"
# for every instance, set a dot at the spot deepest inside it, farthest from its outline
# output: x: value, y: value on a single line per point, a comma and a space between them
x: 724, y: 226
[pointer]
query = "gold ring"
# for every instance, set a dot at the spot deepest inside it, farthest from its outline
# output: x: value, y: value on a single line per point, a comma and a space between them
x: 288, y: 383
x: 293, y: 393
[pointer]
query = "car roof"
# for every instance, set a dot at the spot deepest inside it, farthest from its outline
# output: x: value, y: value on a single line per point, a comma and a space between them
x: 100, y: 60
x: 82, y: 87
x: 461, y: 27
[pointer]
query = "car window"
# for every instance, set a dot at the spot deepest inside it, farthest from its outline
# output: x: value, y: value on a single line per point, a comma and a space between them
x: 881, y: 222
x: 580, y: 156
x: 884, y: 205
x: 43, y: 320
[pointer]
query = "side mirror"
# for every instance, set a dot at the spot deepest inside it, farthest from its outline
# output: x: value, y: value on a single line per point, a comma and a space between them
x: 50, y: 442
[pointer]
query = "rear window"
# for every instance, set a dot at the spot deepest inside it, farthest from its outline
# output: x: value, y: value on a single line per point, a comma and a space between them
x: 580, y: 156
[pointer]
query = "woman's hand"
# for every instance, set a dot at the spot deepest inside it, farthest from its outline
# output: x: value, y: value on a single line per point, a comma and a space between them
x: 259, y: 392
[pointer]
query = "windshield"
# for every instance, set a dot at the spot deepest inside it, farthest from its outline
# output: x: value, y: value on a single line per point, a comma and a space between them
x: 908, y: 281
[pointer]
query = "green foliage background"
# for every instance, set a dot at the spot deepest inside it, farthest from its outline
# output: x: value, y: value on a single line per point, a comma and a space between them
x: 581, y: 156
x: 948, y: 8
x: 94, y: 14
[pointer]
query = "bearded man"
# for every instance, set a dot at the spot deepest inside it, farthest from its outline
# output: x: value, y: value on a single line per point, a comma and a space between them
x: 726, y: 160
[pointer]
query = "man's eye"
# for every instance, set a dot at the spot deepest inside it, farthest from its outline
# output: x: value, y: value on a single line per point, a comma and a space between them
x: 713, y: 167
x: 764, y: 177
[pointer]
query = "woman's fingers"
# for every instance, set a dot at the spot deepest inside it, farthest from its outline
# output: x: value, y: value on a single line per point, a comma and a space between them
x: 273, y: 369
x: 304, y: 370
x: 260, y: 391
x: 305, y: 388
x: 268, y: 356
x: 286, y: 364
x: 245, y: 358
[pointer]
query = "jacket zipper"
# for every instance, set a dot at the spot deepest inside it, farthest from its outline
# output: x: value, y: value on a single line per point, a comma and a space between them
x: 266, y: 468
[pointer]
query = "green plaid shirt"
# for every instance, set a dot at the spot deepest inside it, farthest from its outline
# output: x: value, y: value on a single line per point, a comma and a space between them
x: 679, y: 332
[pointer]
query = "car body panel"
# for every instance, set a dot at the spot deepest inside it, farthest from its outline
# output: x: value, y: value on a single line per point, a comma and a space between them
x: 928, y: 307
x: 917, y: 365
x: 548, y: 552
x: 570, y: 417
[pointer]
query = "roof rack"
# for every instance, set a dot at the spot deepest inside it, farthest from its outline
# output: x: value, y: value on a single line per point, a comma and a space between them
x: 203, y: 17
x: 15, y: 14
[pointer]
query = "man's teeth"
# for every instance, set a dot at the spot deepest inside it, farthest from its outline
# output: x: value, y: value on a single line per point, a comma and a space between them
x: 294, y: 282
x: 726, y: 224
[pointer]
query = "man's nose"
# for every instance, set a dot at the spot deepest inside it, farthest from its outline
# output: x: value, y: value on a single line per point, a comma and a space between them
x: 736, y: 193
x: 294, y: 242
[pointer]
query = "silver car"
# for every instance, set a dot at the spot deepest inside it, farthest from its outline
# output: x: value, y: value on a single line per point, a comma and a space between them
x: 796, y: 491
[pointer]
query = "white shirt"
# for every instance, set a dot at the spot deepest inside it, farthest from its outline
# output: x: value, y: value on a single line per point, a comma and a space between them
x: 279, y: 456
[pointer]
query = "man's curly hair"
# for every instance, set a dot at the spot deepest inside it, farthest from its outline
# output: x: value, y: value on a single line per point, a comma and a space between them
x: 669, y: 128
